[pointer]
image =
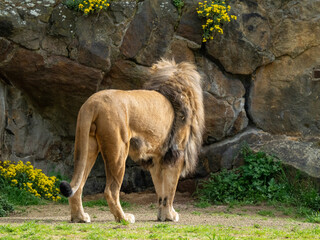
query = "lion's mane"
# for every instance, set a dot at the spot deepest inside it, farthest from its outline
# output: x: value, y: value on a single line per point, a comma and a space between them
x: 181, y: 85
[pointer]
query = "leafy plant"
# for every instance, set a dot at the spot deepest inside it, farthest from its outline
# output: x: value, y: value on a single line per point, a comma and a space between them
x: 261, y: 178
x: 19, y: 197
x: 88, y: 6
x: 314, y: 217
x: 178, y: 4
x: 216, y: 14
x: 25, y: 177
x: 5, y: 207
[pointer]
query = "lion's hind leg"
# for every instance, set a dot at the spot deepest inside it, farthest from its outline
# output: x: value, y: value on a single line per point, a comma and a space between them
x: 115, y: 155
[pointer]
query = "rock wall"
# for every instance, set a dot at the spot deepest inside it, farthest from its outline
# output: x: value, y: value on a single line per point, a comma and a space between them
x: 263, y: 72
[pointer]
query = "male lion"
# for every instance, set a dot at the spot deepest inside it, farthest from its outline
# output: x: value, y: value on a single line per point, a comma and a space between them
x: 159, y: 127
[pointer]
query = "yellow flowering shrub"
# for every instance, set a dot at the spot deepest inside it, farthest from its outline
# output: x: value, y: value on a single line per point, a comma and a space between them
x: 88, y: 6
x: 26, y: 177
x: 215, y: 13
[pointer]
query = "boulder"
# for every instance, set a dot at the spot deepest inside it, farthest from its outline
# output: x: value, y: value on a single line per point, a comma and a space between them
x: 284, y: 95
x: 125, y: 75
x: 245, y: 44
x: 55, y: 85
x: 150, y: 32
x: 223, y: 102
x: 190, y: 25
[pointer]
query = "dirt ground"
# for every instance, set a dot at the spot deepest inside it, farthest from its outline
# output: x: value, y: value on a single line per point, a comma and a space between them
x: 143, y: 206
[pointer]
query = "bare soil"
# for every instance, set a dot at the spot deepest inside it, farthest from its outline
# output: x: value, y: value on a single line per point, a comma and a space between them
x: 143, y: 206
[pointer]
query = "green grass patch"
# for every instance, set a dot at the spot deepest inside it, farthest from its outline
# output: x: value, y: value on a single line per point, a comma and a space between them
x: 35, y: 230
x: 96, y: 203
x: 104, y: 203
x: 196, y: 213
x: 265, y: 213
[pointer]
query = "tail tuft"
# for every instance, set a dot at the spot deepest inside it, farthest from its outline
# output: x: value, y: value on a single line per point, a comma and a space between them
x: 66, y: 189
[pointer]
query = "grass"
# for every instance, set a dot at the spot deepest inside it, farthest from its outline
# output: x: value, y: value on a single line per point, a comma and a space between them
x: 264, y: 213
x: 36, y: 230
x: 103, y: 203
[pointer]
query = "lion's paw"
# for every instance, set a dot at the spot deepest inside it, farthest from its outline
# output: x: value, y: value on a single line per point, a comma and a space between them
x: 168, y: 216
x: 130, y: 218
x: 83, y: 219
x: 175, y: 217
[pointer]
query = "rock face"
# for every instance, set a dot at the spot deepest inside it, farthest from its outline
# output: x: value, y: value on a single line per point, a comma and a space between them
x: 302, y: 154
x: 263, y: 71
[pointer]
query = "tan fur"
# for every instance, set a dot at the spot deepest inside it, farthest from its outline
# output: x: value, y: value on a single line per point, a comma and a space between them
x: 164, y: 121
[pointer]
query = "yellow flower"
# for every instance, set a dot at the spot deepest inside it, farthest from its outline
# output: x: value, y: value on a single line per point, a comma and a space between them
x: 14, y: 181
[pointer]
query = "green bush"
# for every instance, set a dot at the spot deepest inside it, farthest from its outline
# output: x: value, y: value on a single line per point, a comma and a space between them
x: 261, y: 178
x: 26, y: 177
x: 5, y: 207
x: 252, y: 182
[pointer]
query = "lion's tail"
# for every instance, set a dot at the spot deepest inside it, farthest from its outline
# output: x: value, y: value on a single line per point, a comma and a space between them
x: 84, y: 122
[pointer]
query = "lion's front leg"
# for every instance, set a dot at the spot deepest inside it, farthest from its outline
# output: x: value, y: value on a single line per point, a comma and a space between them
x: 165, y: 179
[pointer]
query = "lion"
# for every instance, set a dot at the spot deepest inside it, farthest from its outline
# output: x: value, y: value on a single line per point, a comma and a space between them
x: 159, y: 127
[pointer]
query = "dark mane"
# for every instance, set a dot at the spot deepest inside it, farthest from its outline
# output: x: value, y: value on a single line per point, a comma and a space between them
x: 181, y: 85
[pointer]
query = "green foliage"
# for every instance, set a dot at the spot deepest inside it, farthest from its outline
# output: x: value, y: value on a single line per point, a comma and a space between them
x: 252, y: 182
x: 314, y: 217
x: 178, y: 4
x: 88, y: 6
x: 261, y: 178
x: 26, y: 177
x: 19, y: 197
x: 5, y: 207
